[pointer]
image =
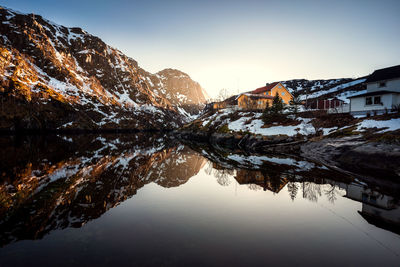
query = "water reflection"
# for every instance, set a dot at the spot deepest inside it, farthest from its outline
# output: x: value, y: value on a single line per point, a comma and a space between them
x: 58, y: 182
x: 380, y: 201
x: 377, y: 208
x: 45, y: 187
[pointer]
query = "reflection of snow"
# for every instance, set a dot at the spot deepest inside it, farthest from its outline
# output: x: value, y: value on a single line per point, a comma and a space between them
x: 259, y: 160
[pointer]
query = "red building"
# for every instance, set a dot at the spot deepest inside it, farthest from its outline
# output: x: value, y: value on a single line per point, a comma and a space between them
x: 324, y: 103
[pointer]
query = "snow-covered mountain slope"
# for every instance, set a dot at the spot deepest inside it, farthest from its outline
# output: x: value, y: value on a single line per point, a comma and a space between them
x: 54, y: 77
x: 178, y: 88
x: 324, y: 89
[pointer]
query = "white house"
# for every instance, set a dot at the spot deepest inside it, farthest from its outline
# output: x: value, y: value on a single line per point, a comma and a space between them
x: 377, y: 208
x: 383, y: 92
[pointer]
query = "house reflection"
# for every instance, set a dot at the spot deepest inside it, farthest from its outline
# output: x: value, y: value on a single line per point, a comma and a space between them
x: 378, y: 209
x: 262, y: 179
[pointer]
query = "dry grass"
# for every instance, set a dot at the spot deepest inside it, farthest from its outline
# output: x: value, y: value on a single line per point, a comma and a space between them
x: 324, y: 120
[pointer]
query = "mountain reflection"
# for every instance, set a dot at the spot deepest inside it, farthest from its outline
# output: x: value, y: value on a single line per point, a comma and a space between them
x: 54, y: 182
x: 57, y: 182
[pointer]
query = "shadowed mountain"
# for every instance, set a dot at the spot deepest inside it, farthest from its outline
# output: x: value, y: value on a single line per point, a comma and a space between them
x: 54, y: 77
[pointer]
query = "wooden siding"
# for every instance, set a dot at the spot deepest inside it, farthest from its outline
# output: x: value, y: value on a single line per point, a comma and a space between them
x: 283, y: 93
x: 219, y: 105
x: 245, y: 102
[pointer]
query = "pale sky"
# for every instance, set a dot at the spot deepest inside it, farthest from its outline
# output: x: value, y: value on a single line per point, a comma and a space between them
x: 239, y: 45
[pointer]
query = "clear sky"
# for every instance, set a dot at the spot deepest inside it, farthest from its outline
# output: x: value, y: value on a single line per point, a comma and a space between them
x: 239, y: 45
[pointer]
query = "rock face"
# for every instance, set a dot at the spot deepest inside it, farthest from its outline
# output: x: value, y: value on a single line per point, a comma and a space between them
x: 178, y: 88
x: 54, y: 77
x: 357, y: 155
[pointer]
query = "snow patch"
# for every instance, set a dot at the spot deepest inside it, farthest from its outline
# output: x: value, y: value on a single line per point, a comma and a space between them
x: 388, y: 125
x: 255, y: 127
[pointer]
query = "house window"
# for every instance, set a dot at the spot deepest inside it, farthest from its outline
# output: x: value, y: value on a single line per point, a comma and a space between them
x: 283, y: 93
x: 382, y: 84
x: 373, y: 100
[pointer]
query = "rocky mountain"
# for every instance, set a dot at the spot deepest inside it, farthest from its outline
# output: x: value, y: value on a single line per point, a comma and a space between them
x: 54, y: 77
x: 325, y: 89
x: 178, y: 88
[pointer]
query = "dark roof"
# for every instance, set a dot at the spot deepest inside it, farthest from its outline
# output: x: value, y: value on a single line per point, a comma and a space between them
x: 384, y: 74
x: 325, y: 99
x: 382, y: 92
x: 265, y: 88
x: 231, y: 100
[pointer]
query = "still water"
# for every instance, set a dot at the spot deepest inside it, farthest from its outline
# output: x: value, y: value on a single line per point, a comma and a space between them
x: 148, y: 200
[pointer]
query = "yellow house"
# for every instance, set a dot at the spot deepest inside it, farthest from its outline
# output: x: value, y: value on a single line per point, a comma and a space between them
x: 219, y: 105
x: 256, y: 99
x: 229, y: 102
x: 253, y: 101
x: 259, y: 98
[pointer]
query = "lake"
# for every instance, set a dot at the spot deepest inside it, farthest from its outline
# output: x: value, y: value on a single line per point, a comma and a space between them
x: 148, y: 200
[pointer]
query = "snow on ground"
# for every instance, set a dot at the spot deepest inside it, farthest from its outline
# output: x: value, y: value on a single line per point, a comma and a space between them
x: 333, y: 89
x: 65, y: 125
x: 149, y: 108
x: 216, y: 118
x: 327, y: 131
x: 181, y: 98
x: 205, y: 123
x: 389, y: 125
x: 304, y: 128
x: 187, y: 114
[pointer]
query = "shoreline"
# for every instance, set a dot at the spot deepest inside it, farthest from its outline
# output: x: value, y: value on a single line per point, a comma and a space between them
x: 334, y: 153
x: 350, y: 155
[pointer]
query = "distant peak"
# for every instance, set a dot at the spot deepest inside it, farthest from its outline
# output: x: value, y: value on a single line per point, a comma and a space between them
x: 173, y: 72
